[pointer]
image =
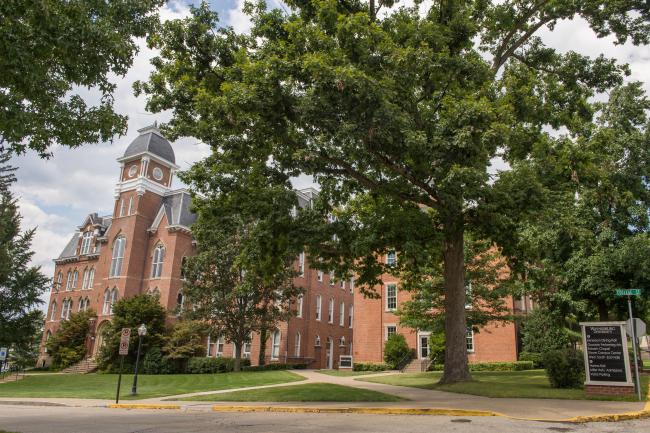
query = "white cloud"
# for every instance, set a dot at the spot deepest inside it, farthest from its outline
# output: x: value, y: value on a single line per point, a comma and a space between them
x: 238, y: 19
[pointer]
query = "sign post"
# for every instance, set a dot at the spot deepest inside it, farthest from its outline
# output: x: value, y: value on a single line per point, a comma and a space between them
x: 125, y: 338
x: 3, y: 357
x: 629, y: 293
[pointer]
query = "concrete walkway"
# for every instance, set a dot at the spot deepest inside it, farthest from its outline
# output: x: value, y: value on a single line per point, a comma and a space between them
x: 547, y: 409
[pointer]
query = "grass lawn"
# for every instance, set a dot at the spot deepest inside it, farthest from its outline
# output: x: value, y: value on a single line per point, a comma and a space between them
x: 347, y: 373
x: 518, y: 384
x: 295, y: 393
x: 103, y: 386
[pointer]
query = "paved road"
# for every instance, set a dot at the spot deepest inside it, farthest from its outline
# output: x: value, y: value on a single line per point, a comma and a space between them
x: 30, y: 419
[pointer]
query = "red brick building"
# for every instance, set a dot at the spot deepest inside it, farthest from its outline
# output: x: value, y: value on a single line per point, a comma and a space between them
x: 140, y: 249
x: 375, y: 320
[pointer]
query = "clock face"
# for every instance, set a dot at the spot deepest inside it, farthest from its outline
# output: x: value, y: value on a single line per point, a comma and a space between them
x: 133, y: 170
x: 157, y: 173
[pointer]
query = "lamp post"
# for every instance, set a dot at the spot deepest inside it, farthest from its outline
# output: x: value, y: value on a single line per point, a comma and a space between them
x: 142, y: 331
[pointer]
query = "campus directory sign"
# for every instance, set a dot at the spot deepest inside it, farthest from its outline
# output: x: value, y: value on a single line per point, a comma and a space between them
x: 606, y: 358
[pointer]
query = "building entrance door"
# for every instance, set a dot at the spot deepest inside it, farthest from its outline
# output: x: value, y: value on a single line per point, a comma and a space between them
x: 328, y: 353
x: 423, y: 343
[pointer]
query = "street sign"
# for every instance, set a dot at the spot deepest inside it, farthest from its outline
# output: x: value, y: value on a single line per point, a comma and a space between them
x: 3, y: 353
x: 640, y: 328
x: 628, y: 292
x: 125, y: 338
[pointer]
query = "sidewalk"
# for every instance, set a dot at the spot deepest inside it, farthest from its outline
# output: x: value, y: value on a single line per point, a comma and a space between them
x: 538, y: 409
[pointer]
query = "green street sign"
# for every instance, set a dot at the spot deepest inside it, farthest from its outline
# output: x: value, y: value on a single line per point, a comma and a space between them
x: 628, y: 292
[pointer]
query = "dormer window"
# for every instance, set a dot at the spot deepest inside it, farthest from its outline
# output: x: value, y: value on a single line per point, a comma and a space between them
x: 86, y: 242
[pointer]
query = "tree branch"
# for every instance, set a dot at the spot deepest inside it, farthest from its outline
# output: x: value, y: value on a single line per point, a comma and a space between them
x: 498, y: 62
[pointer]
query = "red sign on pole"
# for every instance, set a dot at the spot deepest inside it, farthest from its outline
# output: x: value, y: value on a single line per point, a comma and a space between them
x: 125, y: 338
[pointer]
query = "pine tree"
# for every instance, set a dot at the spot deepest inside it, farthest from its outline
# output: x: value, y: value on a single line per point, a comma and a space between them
x: 21, y: 284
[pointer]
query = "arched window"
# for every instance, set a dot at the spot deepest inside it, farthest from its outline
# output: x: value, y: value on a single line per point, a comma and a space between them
x: 91, y: 278
x: 53, y: 311
x: 157, y: 262
x: 183, y: 266
x: 297, y: 345
x: 180, y: 301
x: 107, y: 302
x: 84, y: 280
x: 350, y: 315
x: 86, y: 241
x: 68, y: 281
x: 299, y: 308
x: 130, y: 206
x: 318, y: 307
x: 342, y: 342
x: 75, y: 277
x: 81, y: 304
x: 114, y: 294
x: 118, y: 256
x: 342, y: 314
x: 317, y: 344
x: 48, y: 335
x: 59, y: 281
x: 275, y: 345
x: 66, y: 307
x: 330, y: 311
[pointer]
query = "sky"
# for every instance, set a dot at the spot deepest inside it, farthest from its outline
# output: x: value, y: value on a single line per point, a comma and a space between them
x: 55, y: 195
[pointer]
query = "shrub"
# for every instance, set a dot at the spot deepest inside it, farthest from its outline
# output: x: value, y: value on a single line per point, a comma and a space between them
x: 274, y: 366
x: 395, y: 349
x: 204, y: 365
x: 536, y: 358
x: 370, y: 366
x: 564, y: 368
x: 68, y: 345
x: 543, y: 331
x: 491, y: 366
x: 155, y: 363
x: 437, y: 347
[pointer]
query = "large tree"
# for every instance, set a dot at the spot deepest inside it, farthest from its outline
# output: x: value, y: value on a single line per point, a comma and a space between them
x: 408, y: 107
x: 21, y: 283
x: 241, y: 280
x: 50, y: 51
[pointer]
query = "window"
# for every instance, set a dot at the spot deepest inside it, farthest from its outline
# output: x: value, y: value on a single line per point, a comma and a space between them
x: 66, y: 306
x: 53, y: 311
x: 91, y: 278
x: 332, y: 278
x: 318, y: 306
x: 299, y: 309
x: 221, y: 343
x: 180, y: 300
x: 390, y: 330
x: 118, y: 256
x: 113, y: 298
x: 468, y: 294
x: 210, y: 346
x: 68, y: 281
x: 84, y: 304
x: 301, y: 264
x: 330, y: 311
x: 110, y: 298
x: 350, y: 315
x: 317, y: 343
x: 319, y: 276
x: 48, y: 335
x: 343, y: 284
x: 342, y: 314
x: 391, y: 297
x: 296, y: 349
x: 157, y: 173
x: 59, y: 281
x: 352, y: 285
x: 157, y: 262
x: 183, y: 266
x: 121, y: 207
x: 275, y: 345
x: 247, y: 346
x: 84, y: 280
x: 469, y: 339
x: 130, y: 212
x: 86, y: 241
x: 342, y: 342
x: 132, y: 170
x: 75, y: 277
x: 391, y: 258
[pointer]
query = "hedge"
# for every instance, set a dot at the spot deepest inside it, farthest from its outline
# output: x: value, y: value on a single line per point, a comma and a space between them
x: 370, y: 366
x: 536, y: 358
x: 275, y: 366
x: 202, y: 365
x: 492, y: 366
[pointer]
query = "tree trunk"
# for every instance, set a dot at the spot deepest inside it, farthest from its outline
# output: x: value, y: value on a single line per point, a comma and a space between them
x: 371, y: 9
x: 263, y: 337
x: 603, y: 312
x: 456, y: 368
x: 237, y: 366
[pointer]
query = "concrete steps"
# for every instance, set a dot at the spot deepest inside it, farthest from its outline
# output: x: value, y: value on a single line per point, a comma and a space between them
x: 417, y: 366
x: 88, y: 365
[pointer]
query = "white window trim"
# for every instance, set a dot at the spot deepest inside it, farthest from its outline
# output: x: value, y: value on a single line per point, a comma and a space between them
x: 220, y: 346
x: 351, y: 316
x: 296, y: 348
x: 342, y: 313
x: 157, y: 261
x: 319, y: 276
x: 388, y: 308
x: 53, y: 311
x: 330, y: 311
x: 301, y: 264
x: 386, y: 326
x: 117, y: 257
x: 470, y: 331
x: 319, y: 306
x: 300, y: 301
x: 130, y: 211
x: 276, y: 337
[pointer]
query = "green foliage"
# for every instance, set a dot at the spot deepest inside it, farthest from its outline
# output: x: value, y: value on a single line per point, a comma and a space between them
x: 184, y: 342
x: 131, y: 313
x: 395, y: 349
x: 50, y: 50
x: 492, y: 366
x: 370, y: 366
x: 437, y: 347
x: 213, y: 365
x: 398, y: 119
x: 543, y: 332
x: 68, y: 345
x: 565, y: 368
x: 155, y: 363
x: 275, y: 366
x: 21, y: 284
x: 535, y: 357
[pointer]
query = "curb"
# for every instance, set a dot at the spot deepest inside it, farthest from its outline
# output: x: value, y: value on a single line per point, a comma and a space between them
x: 431, y: 411
x: 143, y: 406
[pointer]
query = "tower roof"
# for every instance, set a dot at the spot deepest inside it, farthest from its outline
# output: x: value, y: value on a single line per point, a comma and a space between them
x: 151, y: 140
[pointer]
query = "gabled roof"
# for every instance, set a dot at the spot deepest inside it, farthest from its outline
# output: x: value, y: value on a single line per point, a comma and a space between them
x: 151, y: 140
x: 176, y: 207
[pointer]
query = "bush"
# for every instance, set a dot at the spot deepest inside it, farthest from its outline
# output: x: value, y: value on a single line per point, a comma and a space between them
x: 437, y: 347
x: 155, y: 363
x: 204, y: 365
x: 491, y: 366
x: 536, y: 358
x: 275, y: 366
x: 370, y: 366
x: 543, y: 331
x: 395, y: 350
x: 68, y: 345
x: 565, y: 368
